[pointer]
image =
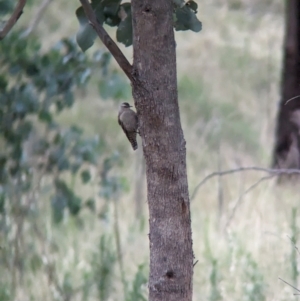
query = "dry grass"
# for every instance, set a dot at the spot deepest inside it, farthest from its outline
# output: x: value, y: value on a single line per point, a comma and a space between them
x: 229, y: 88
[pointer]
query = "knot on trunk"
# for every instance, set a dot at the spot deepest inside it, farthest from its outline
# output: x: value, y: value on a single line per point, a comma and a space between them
x: 170, y: 274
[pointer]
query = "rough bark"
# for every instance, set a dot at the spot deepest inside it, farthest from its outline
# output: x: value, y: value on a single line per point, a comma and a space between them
x: 287, y: 146
x: 156, y: 100
x: 139, y: 189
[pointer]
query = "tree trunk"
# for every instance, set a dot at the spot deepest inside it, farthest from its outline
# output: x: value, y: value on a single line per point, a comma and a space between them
x: 156, y: 99
x: 139, y: 197
x: 287, y: 146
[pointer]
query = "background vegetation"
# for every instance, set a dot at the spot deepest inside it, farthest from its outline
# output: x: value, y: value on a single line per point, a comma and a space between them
x: 77, y: 234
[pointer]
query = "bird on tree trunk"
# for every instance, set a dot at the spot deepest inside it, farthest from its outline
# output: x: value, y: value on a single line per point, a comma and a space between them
x: 128, y: 120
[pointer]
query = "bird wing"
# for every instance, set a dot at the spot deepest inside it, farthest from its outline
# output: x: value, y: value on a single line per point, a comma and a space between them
x: 129, y: 122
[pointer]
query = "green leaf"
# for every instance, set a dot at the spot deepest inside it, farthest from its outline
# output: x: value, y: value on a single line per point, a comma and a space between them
x: 59, y: 104
x: 6, y: 6
x: 85, y: 176
x: 58, y: 159
x: 2, y: 202
x: 99, y: 13
x: 3, y: 83
x: 52, y: 87
x: 74, y: 204
x: 32, y: 69
x: 45, y: 116
x: 192, y: 5
x: 103, y: 9
x: 61, y: 187
x: 186, y: 19
x: 89, y: 156
x: 23, y: 129
x: 72, y: 201
x: 112, y: 20
x: 124, y: 31
x: 91, y: 204
x: 58, y: 204
x: 86, y: 35
x: 68, y: 98
x: 111, y: 9
x: 80, y: 14
x: 16, y: 154
x: 26, y: 98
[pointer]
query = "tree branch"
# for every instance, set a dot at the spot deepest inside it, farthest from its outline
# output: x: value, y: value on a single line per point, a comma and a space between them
x: 289, y: 284
x: 275, y: 172
x: 107, y: 40
x: 13, y: 19
x: 37, y: 18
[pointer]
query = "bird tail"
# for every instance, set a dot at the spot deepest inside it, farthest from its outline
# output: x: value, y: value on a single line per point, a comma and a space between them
x: 132, y: 139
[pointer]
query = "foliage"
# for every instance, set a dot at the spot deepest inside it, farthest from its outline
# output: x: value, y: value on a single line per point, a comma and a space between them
x: 254, y: 286
x: 34, y: 87
x: 38, y: 156
x: 214, y: 278
x: 103, y: 273
x: 4, y: 292
x: 185, y: 17
x: 215, y: 294
x: 103, y: 267
x: 139, y: 281
x: 5, y: 7
x: 115, y: 14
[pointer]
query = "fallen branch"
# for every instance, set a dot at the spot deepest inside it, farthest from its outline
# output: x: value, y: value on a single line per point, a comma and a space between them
x: 13, y: 19
x: 108, y: 41
x: 274, y: 172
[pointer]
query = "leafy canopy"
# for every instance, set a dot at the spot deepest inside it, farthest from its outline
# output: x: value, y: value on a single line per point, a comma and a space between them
x: 115, y: 14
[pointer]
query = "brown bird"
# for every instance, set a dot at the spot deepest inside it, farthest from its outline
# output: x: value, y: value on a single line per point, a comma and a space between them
x: 128, y: 120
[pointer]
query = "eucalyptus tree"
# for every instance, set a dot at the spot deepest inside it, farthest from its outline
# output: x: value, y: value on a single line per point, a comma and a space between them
x: 149, y: 26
